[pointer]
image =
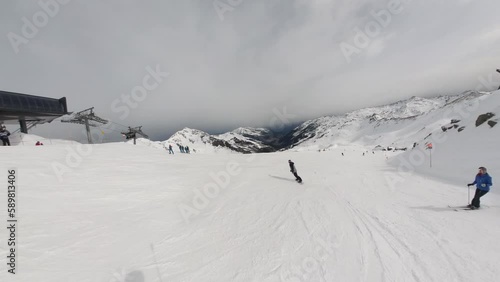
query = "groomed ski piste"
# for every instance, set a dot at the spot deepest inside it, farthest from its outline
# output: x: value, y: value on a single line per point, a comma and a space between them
x: 118, y: 212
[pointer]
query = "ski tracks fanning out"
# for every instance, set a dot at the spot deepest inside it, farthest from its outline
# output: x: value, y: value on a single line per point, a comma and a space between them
x: 395, y: 247
x: 390, y: 250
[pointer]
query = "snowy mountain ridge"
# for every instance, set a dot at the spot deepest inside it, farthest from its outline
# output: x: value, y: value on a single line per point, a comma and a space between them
x: 241, y: 140
x: 367, y: 127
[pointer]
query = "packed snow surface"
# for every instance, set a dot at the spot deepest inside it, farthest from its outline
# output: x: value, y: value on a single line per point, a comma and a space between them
x: 118, y: 212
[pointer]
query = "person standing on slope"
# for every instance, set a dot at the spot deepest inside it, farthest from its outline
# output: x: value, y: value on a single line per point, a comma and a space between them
x: 170, y: 150
x: 294, y: 171
x: 4, y: 136
x: 483, y: 183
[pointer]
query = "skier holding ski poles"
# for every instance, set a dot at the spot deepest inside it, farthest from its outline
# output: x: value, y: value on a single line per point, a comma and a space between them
x: 294, y: 171
x: 483, y: 183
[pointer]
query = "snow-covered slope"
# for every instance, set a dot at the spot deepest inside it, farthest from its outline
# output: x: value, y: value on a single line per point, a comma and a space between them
x: 399, y: 124
x: 147, y: 143
x: 22, y: 139
x: 134, y: 213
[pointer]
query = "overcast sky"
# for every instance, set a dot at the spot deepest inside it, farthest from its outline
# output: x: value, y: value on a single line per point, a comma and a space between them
x: 234, y: 63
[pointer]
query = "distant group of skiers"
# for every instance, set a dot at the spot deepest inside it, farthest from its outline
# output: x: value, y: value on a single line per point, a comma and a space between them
x: 182, y: 149
x: 364, y: 153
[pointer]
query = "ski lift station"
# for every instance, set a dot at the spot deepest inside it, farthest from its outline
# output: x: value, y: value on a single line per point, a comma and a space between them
x: 30, y: 110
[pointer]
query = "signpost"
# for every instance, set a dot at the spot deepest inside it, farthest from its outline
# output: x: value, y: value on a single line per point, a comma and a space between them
x: 429, y: 147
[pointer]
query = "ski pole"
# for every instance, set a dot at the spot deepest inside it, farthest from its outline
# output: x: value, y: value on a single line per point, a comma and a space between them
x: 468, y: 195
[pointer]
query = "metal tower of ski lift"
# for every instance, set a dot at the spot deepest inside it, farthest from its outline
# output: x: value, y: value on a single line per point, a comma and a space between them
x: 88, y: 118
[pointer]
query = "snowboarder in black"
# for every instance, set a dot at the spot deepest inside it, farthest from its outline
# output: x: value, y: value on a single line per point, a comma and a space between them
x: 294, y: 171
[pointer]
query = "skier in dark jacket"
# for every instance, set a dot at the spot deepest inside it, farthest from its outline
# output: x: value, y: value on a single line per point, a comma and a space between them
x: 294, y: 171
x: 483, y: 183
x: 170, y: 150
x: 4, y: 136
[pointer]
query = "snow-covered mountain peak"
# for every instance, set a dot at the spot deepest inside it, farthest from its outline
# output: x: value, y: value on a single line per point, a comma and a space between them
x: 189, y: 136
x: 186, y: 131
x: 242, y: 140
